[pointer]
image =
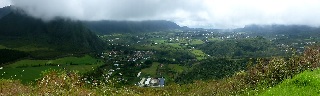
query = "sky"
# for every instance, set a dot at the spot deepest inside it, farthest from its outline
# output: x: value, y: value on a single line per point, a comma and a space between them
x: 191, y: 13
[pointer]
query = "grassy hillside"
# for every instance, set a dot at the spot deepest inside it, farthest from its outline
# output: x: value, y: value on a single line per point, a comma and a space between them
x: 152, y: 71
x: 304, y: 84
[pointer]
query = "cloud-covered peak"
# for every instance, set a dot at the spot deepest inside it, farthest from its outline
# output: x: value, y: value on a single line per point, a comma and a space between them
x: 193, y: 13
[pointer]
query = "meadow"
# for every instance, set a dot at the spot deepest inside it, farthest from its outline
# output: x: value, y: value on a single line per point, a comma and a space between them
x: 30, y: 70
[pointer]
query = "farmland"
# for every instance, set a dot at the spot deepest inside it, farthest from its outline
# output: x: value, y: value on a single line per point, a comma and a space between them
x: 29, y: 70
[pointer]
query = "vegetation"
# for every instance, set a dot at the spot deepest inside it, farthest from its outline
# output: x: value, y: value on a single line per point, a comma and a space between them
x: 151, y: 71
x: 29, y: 70
x: 241, y: 48
x: 306, y: 83
x: 108, y: 27
x: 255, y: 60
x: 4, y: 11
x: 212, y: 69
x: 10, y: 55
x: 45, y: 40
x: 258, y: 79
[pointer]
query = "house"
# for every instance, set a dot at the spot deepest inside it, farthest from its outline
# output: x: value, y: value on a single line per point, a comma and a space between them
x: 152, y: 82
x: 147, y: 82
x: 161, y: 82
x: 139, y: 74
x: 141, y: 83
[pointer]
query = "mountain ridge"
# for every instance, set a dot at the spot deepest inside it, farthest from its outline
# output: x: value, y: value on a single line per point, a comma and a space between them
x: 64, y: 36
x: 109, y: 26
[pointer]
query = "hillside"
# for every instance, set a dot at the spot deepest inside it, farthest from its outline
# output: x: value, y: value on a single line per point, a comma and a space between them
x: 291, y: 30
x: 105, y: 27
x: 5, y: 11
x: 276, y: 76
x: 303, y: 84
x: 46, y: 39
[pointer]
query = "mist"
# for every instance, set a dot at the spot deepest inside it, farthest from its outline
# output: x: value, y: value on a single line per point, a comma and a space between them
x: 192, y: 13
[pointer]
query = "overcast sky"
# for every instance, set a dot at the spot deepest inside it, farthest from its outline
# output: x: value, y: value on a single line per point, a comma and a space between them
x: 192, y: 13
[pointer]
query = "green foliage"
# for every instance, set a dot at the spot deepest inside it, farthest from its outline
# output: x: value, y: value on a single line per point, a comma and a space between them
x: 177, y: 68
x: 212, y: 69
x: 173, y: 56
x: 108, y: 27
x: 199, y: 54
x: 10, y: 55
x: 304, y: 84
x: 60, y: 61
x: 148, y: 62
x: 54, y: 38
x: 152, y: 71
x: 241, y: 48
x: 28, y: 70
x: 266, y: 73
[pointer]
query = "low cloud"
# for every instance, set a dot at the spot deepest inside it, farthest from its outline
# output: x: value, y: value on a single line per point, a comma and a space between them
x: 192, y: 13
x: 4, y: 3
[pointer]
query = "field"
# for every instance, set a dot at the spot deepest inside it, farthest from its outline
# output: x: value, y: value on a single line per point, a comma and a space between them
x: 199, y: 54
x: 196, y: 42
x: 61, y: 61
x: 214, y: 39
x: 177, y: 68
x: 29, y: 70
x: 151, y: 70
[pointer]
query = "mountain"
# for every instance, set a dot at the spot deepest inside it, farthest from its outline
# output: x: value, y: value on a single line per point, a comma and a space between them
x: 46, y: 39
x: 105, y: 27
x: 5, y: 11
x: 275, y: 29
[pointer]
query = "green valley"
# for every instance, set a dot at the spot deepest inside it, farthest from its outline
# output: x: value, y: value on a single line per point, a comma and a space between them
x: 67, y: 56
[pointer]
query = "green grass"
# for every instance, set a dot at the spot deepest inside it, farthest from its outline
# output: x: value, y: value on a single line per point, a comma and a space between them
x: 303, y: 84
x: 177, y: 68
x: 29, y: 48
x: 196, y: 42
x: 175, y: 45
x: 32, y: 73
x: 66, y: 60
x: 13, y: 71
x: 160, y: 41
x: 199, y: 54
x: 29, y: 73
x: 214, y: 39
x: 2, y: 47
x: 151, y: 70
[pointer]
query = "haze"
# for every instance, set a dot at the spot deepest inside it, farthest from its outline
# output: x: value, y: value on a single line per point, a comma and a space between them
x: 192, y: 13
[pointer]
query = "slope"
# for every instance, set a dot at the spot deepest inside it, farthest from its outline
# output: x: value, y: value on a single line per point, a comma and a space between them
x: 303, y: 84
x: 106, y: 27
x: 5, y: 11
x: 46, y: 39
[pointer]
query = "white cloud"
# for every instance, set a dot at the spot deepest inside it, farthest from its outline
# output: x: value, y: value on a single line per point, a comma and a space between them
x: 194, y: 13
x: 4, y: 3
